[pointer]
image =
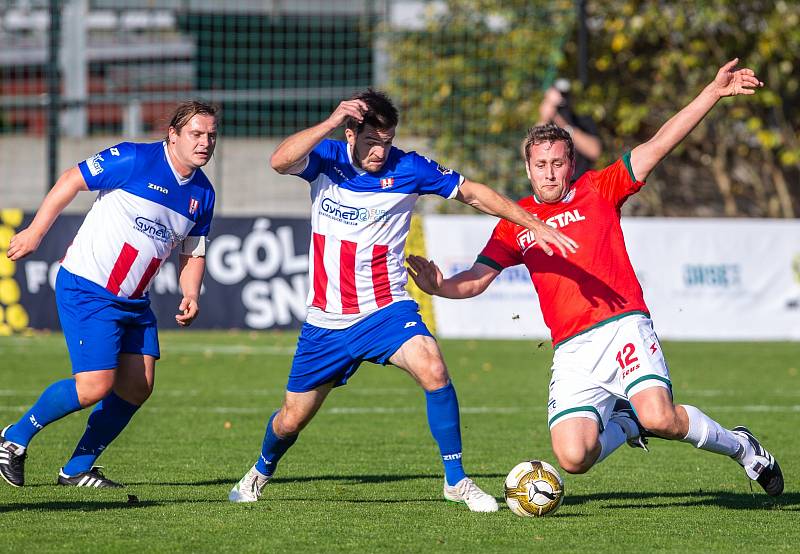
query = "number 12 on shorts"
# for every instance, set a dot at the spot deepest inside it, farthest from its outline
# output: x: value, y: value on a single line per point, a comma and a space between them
x: 626, y: 359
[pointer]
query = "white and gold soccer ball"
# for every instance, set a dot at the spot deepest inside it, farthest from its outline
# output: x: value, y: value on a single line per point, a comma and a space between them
x: 534, y: 489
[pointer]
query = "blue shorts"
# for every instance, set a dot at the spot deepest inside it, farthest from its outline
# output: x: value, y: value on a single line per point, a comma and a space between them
x: 98, y: 326
x: 325, y: 355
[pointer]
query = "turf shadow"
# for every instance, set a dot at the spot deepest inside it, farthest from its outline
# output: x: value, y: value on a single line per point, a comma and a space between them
x: 659, y: 499
x: 77, y: 506
x: 345, y: 479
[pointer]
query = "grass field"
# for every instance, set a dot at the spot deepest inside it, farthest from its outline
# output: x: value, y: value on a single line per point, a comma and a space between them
x: 365, y: 476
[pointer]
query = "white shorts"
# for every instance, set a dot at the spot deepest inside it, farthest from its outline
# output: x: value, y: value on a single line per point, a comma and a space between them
x: 615, y: 360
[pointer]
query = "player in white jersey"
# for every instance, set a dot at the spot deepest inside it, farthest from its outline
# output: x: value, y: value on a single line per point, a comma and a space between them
x: 151, y: 199
x: 363, y: 193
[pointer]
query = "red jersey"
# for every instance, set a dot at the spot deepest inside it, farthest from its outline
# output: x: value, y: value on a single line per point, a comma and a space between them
x: 597, y: 283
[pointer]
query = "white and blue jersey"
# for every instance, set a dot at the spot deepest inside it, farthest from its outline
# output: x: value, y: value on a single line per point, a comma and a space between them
x: 360, y: 222
x: 143, y: 210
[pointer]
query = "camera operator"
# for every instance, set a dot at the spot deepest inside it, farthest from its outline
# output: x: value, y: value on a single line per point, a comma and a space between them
x: 556, y: 108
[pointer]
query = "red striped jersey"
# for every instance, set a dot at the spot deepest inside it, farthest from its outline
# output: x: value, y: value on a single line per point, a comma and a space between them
x: 598, y: 282
x: 359, y: 223
x: 142, y: 211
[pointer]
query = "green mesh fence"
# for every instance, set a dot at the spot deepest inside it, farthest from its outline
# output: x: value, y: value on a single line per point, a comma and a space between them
x: 467, y: 74
x: 274, y: 67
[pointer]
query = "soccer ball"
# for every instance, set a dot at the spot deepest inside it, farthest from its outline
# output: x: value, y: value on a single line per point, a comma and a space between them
x: 534, y: 489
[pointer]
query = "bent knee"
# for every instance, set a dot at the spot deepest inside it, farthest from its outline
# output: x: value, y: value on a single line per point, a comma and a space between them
x: 575, y: 460
x: 663, y: 423
x: 435, y: 376
x: 289, y: 423
x: 92, y: 392
x: 137, y: 397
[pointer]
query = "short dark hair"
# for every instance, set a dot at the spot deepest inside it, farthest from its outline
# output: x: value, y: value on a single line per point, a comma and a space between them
x: 185, y: 111
x: 381, y: 113
x: 547, y: 133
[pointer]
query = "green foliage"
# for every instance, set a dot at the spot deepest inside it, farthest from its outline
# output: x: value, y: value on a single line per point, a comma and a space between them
x: 742, y: 159
x: 471, y: 81
x: 473, y: 91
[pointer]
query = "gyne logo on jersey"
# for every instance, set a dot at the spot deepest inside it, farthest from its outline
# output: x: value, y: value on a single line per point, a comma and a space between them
x: 156, y: 230
x: 350, y: 215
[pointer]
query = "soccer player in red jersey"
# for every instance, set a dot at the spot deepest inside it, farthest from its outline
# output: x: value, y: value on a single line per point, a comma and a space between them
x: 605, y: 347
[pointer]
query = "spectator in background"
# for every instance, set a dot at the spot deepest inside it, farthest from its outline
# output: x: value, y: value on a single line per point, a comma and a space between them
x: 556, y: 108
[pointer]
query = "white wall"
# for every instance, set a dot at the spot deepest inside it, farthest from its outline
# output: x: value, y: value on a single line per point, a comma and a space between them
x: 703, y: 279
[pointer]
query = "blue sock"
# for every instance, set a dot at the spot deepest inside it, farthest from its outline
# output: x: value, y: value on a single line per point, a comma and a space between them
x: 57, y: 400
x: 273, y: 449
x: 106, y: 422
x: 445, y: 425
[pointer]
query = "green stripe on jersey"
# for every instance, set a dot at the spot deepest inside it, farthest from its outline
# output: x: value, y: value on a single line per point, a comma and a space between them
x: 626, y: 159
x: 490, y: 262
x: 600, y: 324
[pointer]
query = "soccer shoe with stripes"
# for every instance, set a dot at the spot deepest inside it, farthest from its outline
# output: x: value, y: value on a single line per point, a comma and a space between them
x: 249, y: 487
x: 763, y: 468
x: 467, y: 491
x: 12, y: 461
x: 93, y: 479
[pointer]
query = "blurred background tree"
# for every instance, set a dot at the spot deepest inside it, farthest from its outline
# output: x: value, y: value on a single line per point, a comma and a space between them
x: 475, y: 89
x: 471, y: 80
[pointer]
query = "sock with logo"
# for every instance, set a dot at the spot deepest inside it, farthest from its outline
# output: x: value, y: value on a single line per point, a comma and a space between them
x: 445, y: 425
x: 273, y: 449
x: 57, y: 400
x: 106, y: 422
x: 707, y: 434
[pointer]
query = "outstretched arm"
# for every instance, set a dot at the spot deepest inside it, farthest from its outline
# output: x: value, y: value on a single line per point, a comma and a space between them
x: 728, y: 82
x: 469, y: 283
x: 291, y: 154
x: 483, y: 198
x: 63, y: 192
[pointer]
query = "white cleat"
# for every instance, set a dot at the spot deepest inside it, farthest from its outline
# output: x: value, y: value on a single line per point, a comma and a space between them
x: 467, y: 491
x: 249, y: 487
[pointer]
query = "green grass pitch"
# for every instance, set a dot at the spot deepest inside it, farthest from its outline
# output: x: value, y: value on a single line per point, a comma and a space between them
x: 365, y: 475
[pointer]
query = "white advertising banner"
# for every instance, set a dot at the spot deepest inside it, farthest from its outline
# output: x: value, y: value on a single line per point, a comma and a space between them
x: 703, y: 279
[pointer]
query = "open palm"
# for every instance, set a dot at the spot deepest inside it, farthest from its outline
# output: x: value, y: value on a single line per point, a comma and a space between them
x: 731, y: 81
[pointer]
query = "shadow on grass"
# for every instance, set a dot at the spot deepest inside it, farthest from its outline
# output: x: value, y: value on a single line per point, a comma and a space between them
x: 612, y: 500
x: 341, y: 479
x: 660, y: 499
x: 86, y: 505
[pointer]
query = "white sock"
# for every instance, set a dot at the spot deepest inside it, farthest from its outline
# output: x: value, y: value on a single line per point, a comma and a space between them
x: 707, y: 434
x: 612, y: 437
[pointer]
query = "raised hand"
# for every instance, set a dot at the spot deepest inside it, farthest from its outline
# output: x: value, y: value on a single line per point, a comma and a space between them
x: 347, y: 109
x: 426, y: 274
x: 732, y: 82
